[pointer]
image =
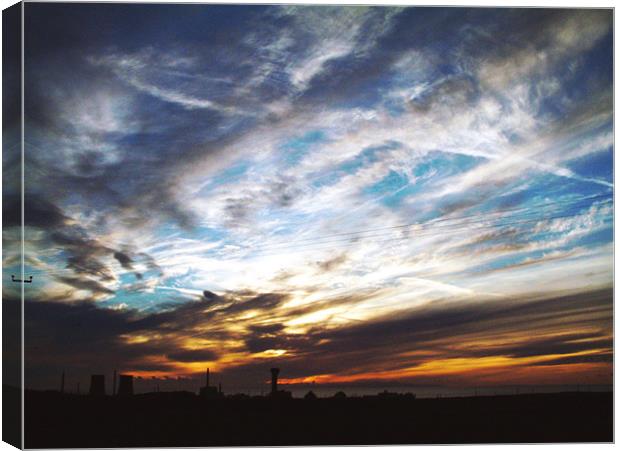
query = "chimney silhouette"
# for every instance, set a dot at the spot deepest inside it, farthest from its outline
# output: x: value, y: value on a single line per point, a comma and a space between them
x: 125, y: 385
x: 62, y: 383
x: 274, y: 380
x: 114, y: 383
x: 207, y: 378
x: 97, y: 385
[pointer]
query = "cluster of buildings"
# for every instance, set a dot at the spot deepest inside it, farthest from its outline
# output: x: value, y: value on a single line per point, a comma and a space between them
x: 126, y: 386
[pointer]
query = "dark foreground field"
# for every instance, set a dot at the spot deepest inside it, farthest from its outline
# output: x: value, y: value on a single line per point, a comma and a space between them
x: 159, y: 420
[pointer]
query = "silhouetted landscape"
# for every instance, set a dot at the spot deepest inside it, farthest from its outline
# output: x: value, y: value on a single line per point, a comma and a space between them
x: 184, y: 419
x: 408, y: 210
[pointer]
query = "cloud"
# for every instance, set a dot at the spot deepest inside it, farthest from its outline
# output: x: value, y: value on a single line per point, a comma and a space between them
x: 193, y: 355
x: 550, y: 38
x: 332, y: 263
x: 38, y: 212
x: 93, y: 286
x: 334, y: 174
x: 451, y: 330
x: 137, y: 69
x: 125, y: 261
x: 86, y: 258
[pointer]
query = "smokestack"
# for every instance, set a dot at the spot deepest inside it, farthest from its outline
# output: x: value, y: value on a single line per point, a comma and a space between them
x: 219, y: 388
x: 207, y: 377
x: 62, y: 383
x: 97, y: 385
x: 274, y: 380
x: 114, y: 384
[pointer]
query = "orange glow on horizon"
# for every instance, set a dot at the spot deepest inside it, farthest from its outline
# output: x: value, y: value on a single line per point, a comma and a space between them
x: 492, y: 370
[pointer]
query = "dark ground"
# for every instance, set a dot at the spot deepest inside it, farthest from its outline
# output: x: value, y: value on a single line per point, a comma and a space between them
x: 54, y: 420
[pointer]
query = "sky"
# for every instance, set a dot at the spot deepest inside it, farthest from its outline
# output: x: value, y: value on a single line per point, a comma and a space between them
x: 357, y: 195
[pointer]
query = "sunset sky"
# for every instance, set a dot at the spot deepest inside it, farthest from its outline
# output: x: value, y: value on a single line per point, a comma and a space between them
x: 373, y: 195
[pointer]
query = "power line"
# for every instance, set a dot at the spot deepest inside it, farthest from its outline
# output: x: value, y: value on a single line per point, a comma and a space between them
x: 353, y: 236
x: 436, y: 221
x: 428, y: 228
x: 311, y: 247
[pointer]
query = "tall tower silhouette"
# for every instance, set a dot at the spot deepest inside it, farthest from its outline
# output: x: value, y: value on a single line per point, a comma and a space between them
x: 274, y: 380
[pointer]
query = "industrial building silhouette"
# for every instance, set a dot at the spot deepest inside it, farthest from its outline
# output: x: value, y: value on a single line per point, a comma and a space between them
x: 275, y: 393
x: 210, y: 392
x: 57, y: 419
x: 125, y: 384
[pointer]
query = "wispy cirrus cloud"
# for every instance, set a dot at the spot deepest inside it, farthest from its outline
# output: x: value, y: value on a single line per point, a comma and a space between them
x: 268, y: 180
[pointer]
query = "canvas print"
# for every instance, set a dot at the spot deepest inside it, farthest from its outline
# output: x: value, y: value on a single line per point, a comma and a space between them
x: 230, y: 225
